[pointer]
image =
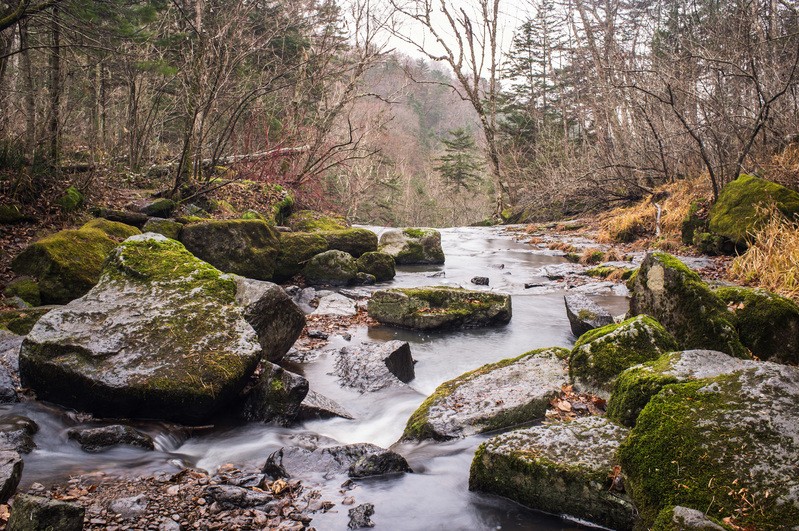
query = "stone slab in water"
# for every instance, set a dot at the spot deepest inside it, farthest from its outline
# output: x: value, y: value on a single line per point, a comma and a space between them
x: 374, y: 366
x: 584, y: 314
x: 100, y: 438
x: 317, y: 406
x: 16, y: 433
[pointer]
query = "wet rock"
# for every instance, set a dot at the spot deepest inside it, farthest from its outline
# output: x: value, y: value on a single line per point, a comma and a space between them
x: 159, y: 323
x: 495, y: 396
x: 21, y: 322
x: 360, y: 516
x: 9, y: 366
x: 439, y: 307
x: 277, y: 321
x: 317, y: 334
x: 104, y: 437
x: 371, y: 367
x: 356, y: 460
x: 365, y: 279
x: 335, y: 268
x: 231, y: 496
x: 560, y: 271
x: 674, y: 295
x: 352, y: 241
x: 560, y: 468
x: 412, y: 246
x: 600, y: 355
x: 584, y: 314
x: 379, y: 464
x: 166, y: 227
x: 335, y: 304
x: 480, y: 281
x: 130, y: 507
x: 737, y: 430
x: 10, y: 473
x: 685, y: 519
x: 381, y: 265
x: 276, y: 397
x: 317, y: 406
x: 35, y: 513
x: 16, y: 433
x: 245, y: 247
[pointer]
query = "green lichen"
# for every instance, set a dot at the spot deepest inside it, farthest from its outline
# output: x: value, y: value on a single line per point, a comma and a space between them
x: 113, y: 229
x: 296, y: 248
x: 310, y: 221
x: 585, y: 315
x: 26, y: 289
x: 352, y: 241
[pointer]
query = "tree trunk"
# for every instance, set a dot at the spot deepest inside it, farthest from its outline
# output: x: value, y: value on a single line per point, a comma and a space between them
x: 55, y: 88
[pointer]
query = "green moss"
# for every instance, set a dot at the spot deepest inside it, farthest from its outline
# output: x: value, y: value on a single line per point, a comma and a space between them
x: 666, y: 522
x: 381, y: 265
x: 71, y: 200
x: 26, y: 289
x: 693, y: 223
x: 166, y: 227
x: 310, y: 221
x: 11, y: 214
x: 21, y: 322
x: 634, y: 387
x: 113, y: 229
x: 296, y: 248
x: 252, y: 214
x: 352, y: 241
x: 414, y: 233
x: 331, y: 267
x: 281, y: 210
x: 161, y: 208
x: 606, y: 271
x: 594, y: 257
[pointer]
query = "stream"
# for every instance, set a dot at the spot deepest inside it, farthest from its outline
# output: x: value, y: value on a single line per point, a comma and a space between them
x: 436, y: 496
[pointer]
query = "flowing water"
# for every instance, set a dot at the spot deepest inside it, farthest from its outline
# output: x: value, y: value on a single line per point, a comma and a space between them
x: 436, y: 495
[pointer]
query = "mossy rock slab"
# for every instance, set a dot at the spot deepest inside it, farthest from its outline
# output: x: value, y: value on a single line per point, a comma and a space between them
x: 66, y: 264
x: 600, y: 355
x: 767, y: 324
x: 26, y: 289
x: 633, y: 389
x: 495, y: 396
x: 113, y: 229
x: 352, y: 241
x: 727, y: 446
x: 739, y: 211
x: 584, y: 314
x: 166, y: 227
x: 439, y: 307
x: 160, y: 336
x: 276, y: 398
x: 684, y: 519
x: 381, y: 265
x: 245, y: 247
x: 311, y: 221
x: 296, y: 248
x: 667, y: 290
x: 335, y: 268
x: 159, y: 208
x: 21, y: 322
x: 413, y: 246
x: 135, y: 219
x: 560, y: 468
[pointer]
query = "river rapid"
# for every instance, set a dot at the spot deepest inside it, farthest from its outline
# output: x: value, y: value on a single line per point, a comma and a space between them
x: 436, y: 496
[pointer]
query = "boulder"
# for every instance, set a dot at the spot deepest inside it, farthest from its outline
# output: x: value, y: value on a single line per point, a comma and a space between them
x: 480, y: 281
x: 355, y: 460
x: 633, y: 389
x: 600, y: 355
x: 336, y: 268
x: 412, y: 246
x: 71, y: 200
x: 767, y: 324
x: 353, y: 241
x: 296, y: 248
x: 35, y: 513
x: 113, y: 229
x: 277, y: 321
x: 159, y: 208
x: 276, y: 397
x: 365, y: 279
x: 160, y: 336
x: 166, y: 227
x: 378, y: 464
x: 136, y: 219
x: 66, y: 264
x: 16, y: 433
x: 726, y: 446
x: 245, y: 247
x: 684, y: 519
x: 374, y: 366
x: 561, y: 468
x: 21, y: 322
x: 743, y: 207
x: 381, y: 265
x: 584, y: 314
x: 674, y: 295
x: 495, y: 396
x: 310, y: 221
x: 317, y: 406
x: 439, y: 307
x: 26, y: 289
x: 8, y: 382
x: 101, y: 438
x: 10, y: 474
x: 9, y: 353
x: 12, y: 214
x: 335, y: 304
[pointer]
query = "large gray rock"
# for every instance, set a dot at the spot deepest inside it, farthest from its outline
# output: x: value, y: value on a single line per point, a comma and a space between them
x: 439, y: 307
x: 684, y: 519
x: 335, y: 268
x: 584, y: 314
x: 355, y: 460
x: 276, y: 398
x: 277, y: 321
x: 16, y: 433
x: 412, y: 246
x: 35, y: 513
x: 317, y: 406
x: 10, y: 473
x: 9, y: 366
x: 100, y: 438
x: 374, y: 366
x: 495, y: 396
x: 561, y: 468
x: 160, y: 336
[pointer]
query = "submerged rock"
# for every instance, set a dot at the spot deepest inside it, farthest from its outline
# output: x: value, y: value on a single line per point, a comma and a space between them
x: 439, y: 307
x: 100, y: 438
x: 352, y: 241
x: 413, y: 246
x: 381, y: 265
x: 160, y: 336
x: 276, y: 397
x: 336, y: 268
x: 584, y: 314
x: 16, y: 433
x: 373, y: 366
x: 495, y: 396
x: 560, y: 468
x: 34, y: 513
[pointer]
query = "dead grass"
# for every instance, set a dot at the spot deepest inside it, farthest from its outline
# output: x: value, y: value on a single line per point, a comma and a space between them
x: 784, y: 167
x: 591, y: 257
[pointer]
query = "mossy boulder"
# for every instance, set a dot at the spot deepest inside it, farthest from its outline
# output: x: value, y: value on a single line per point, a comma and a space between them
x: 311, y: 221
x: 21, y: 322
x: 39, y: 513
x: 520, y: 391
x: 412, y: 246
x: 439, y: 307
x: 245, y: 247
x: 726, y: 446
x: 352, y: 241
x: 667, y: 290
x: 600, y: 355
x: 113, y: 229
x: 296, y: 248
x: 695, y: 222
x: 166, y: 227
x: 561, y: 468
x: 71, y: 200
x: 335, y: 268
x: 12, y: 214
x: 633, y: 389
x: 66, y: 264
x: 26, y: 289
x: 742, y: 207
x: 160, y: 336
x: 767, y: 324
x: 381, y: 265
x: 253, y: 214
x: 684, y: 519
x: 159, y: 208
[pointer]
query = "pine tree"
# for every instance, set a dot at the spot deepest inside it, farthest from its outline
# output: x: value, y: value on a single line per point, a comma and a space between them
x: 460, y: 165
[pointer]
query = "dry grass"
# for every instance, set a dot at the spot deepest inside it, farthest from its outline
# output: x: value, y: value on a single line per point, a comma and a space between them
x: 591, y: 257
x: 772, y: 262
x: 784, y: 167
x: 562, y: 246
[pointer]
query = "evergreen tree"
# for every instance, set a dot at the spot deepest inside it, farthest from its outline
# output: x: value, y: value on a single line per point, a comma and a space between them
x: 460, y: 165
